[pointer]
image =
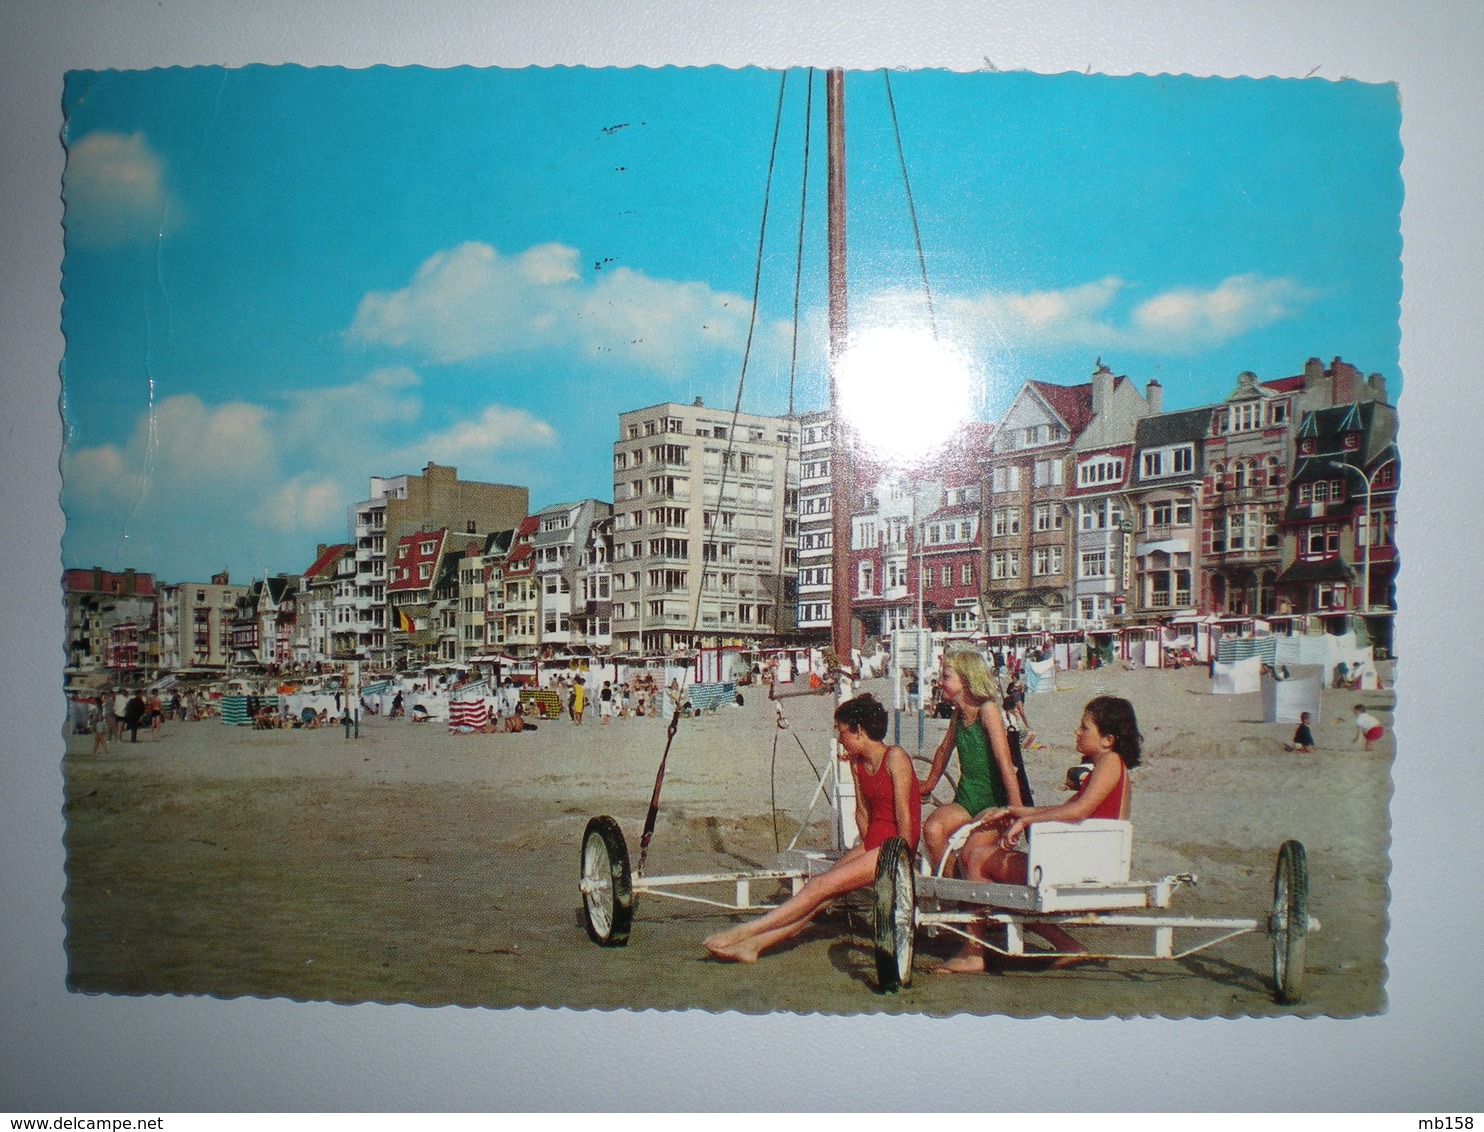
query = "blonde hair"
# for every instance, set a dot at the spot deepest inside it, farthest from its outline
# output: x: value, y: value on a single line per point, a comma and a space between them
x: 972, y: 671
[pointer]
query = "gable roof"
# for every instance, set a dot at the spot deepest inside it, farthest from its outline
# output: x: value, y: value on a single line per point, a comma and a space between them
x: 326, y: 562
x: 1072, y: 403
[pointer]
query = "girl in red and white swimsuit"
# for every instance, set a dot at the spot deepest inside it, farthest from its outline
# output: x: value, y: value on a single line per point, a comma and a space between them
x: 1108, y: 740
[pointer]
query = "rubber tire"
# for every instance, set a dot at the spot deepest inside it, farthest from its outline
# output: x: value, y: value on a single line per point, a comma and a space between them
x: 608, y: 910
x: 896, y: 916
x: 1289, y: 926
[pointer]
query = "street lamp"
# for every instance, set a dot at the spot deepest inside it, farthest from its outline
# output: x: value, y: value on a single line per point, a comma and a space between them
x: 1365, y: 546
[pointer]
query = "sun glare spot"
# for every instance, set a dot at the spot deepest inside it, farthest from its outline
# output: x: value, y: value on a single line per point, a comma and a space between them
x: 904, y: 392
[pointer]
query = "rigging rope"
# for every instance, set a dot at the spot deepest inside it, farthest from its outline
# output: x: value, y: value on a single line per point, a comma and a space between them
x: 652, y: 816
x: 911, y: 204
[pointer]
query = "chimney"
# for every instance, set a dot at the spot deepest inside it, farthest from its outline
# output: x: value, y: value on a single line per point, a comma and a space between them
x: 698, y: 404
x: 1154, y: 397
x: 1313, y: 372
x: 1347, y: 382
x: 1377, y: 385
x: 1102, y: 387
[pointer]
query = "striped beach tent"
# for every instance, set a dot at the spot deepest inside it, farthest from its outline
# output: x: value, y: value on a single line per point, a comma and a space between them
x: 235, y: 711
x: 467, y: 715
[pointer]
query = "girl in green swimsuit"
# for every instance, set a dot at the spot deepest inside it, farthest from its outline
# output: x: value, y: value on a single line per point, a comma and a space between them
x: 987, y: 778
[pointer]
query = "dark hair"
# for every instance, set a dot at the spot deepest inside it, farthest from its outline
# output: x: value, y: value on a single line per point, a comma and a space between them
x: 1115, y: 718
x: 864, y: 713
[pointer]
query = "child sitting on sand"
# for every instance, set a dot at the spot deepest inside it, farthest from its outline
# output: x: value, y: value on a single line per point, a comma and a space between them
x: 1303, y: 737
x: 987, y: 773
x: 886, y: 806
x: 1109, y: 742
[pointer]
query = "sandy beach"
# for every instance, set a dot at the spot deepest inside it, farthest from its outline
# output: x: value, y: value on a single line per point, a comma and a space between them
x: 411, y: 865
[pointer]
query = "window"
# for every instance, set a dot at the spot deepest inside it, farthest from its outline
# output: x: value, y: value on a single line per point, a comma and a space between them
x: 1004, y: 565
x: 1005, y: 478
x: 1047, y: 517
x: 866, y: 577
x: 966, y: 574
x: 1006, y: 521
x: 1161, y: 462
x: 1094, y: 564
x: 1381, y: 529
x: 1322, y: 540
x: 1047, y: 473
x: 425, y: 571
x: 947, y: 575
x: 1100, y: 470
x: 1046, y: 560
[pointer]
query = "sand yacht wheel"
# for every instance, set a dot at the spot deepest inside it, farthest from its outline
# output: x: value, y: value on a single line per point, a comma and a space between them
x: 1289, y: 925
x: 606, y: 883
x: 896, y: 916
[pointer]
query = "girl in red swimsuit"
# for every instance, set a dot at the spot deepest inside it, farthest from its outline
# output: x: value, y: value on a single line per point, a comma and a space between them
x: 1108, y: 739
x: 886, y: 805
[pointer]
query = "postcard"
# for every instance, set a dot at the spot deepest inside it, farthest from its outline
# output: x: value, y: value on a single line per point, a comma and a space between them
x: 486, y: 488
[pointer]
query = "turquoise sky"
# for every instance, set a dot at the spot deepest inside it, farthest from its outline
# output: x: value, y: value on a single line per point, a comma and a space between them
x: 280, y: 281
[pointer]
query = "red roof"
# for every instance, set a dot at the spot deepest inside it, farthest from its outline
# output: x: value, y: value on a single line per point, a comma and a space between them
x: 327, y: 559
x: 1072, y: 403
x: 107, y: 582
x: 1285, y: 384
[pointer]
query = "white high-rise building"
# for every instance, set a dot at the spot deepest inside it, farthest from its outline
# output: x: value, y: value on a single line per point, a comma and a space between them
x: 704, y: 527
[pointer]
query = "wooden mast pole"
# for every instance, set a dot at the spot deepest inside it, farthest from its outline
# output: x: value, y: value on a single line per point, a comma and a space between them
x: 842, y: 466
x: 842, y: 472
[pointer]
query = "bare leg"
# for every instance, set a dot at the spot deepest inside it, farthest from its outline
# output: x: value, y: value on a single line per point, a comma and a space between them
x: 744, y: 942
x: 973, y: 864
x: 940, y: 826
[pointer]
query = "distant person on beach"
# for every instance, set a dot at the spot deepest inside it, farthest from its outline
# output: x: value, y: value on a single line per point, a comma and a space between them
x: 1367, y: 727
x: 120, y: 710
x: 98, y: 725
x: 986, y: 765
x: 579, y: 700
x: 134, y: 711
x: 605, y: 703
x: 887, y: 806
x: 1303, y: 737
x: 1109, y: 742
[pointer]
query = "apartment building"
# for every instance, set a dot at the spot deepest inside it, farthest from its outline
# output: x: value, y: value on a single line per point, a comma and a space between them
x: 1029, y: 583
x: 111, y: 619
x: 570, y: 564
x: 1167, y: 474
x: 1339, y: 524
x: 317, y: 592
x: 195, y: 623
x: 704, y: 527
x: 815, y: 533
x: 1102, y: 546
x: 401, y: 505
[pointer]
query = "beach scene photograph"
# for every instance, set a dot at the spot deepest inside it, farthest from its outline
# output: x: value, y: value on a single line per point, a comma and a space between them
x: 781, y: 541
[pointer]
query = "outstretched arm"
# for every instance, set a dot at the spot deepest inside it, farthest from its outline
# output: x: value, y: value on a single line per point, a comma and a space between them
x: 1105, y: 778
x: 940, y: 756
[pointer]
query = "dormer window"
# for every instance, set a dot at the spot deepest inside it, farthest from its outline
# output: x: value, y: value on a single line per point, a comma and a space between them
x: 1352, y: 441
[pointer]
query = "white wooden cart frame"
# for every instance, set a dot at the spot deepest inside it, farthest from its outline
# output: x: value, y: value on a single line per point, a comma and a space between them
x: 1078, y: 874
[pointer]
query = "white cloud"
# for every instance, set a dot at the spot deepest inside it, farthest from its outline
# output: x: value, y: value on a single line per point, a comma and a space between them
x: 276, y: 469
x: 303, y: 503
x: 114, y: 190
x: 472, y: 301
x: 1198, y: 318
x: 497, y: 429
x: 1096, y: 315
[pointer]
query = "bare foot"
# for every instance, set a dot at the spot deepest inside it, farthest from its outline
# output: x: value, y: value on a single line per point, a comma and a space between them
x: 961, y: 964
x: 720, y: 940
x: 744, y: 952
